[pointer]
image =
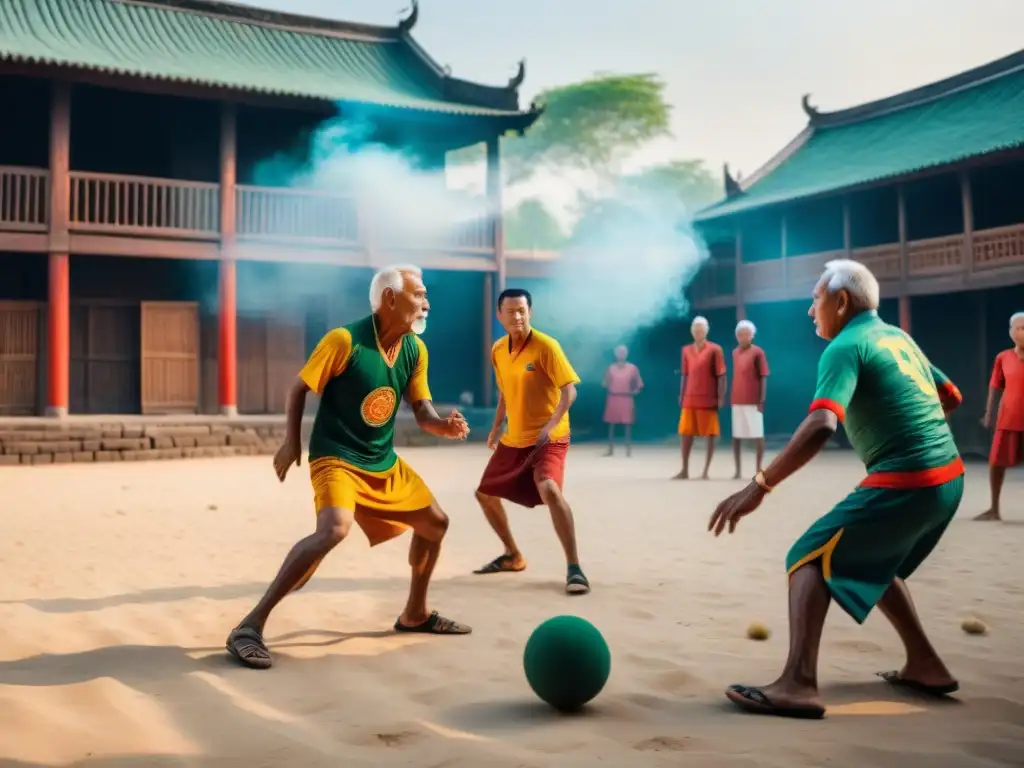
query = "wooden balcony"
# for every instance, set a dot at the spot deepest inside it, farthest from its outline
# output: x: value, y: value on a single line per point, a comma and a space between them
x: 172, y: 210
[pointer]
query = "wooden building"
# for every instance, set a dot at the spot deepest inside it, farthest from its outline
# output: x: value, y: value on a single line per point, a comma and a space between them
x: 146, y: 264
x: 926, y: 187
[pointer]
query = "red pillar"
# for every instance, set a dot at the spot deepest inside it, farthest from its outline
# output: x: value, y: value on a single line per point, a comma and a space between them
x: 227, y: 355
x: 227, y: 347
x: 59, y: 332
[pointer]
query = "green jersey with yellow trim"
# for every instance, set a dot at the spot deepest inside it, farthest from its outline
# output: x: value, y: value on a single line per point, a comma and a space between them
x: 890, y: 398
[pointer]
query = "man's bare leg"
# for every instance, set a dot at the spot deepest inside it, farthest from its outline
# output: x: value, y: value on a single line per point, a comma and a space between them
x: 760, y: 453
x: 711, y: 455
x: 565, y: 528
x: 996, y: 476
x: 797, y: 687
x: 629, y: 439
x: 686, y: 445
x: 512, y: 559
x: 611, y: 440
x: 332, y: 526
x: 923, y: 663
x: 737, y: 449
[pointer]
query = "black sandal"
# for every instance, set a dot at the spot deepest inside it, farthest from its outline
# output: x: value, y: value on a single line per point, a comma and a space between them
x: 501, y: 564
x: 436, y: 624
x: 246, y: 645
x: 894, y: 679
x: 755, y: 701
x: 577, y: 583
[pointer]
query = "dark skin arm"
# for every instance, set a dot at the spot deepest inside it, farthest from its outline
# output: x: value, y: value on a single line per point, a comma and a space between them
x: 567, y: 396
x: 290, y: 451
x: 764, y: 393
x: 454, y: 426
x: 808, y: 440
x: 721, y: 390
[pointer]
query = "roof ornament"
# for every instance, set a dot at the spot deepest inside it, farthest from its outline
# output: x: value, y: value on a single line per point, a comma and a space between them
x: 731, y: 183
x: 406, y: 24
x: 517, y: 79
x: 812, y: 112
x: 447, y: 69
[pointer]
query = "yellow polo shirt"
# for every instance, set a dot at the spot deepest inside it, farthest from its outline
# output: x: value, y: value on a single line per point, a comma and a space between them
x: 530, y: 380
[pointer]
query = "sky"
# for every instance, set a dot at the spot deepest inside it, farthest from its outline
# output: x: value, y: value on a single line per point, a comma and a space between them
x: 735, y: 70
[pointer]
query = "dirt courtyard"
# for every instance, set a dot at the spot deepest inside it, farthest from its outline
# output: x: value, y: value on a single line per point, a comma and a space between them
x: 121, y: 581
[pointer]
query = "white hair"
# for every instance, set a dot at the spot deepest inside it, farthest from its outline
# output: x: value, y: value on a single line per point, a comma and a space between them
x: 701, y: 320
x: 854, y: 277
x: 746, y: 325
x: 1016, y: 317
x: 390, y: 277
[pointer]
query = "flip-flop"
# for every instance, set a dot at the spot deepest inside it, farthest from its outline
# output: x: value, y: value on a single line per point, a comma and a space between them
x: 246, y: 645
x: 894, y: 679
x: 501, y: 564
x: 577, y: 583
x: 436, y: 624
x: 754, y: 700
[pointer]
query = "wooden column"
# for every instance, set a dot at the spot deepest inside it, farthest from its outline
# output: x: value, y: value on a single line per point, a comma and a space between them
x: 488, y: 321
x: 227, y: 301
x: 904, y: 308
x: 966, y: 201
x: 901, y: 226
x: 741, y: 308
x: 59, y: 293
x: 847, y: 230
x: 496, y: 207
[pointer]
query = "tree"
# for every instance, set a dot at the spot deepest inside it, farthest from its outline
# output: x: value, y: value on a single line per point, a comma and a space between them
x: 531, y: 226
x: 687, y: 181
x: 589, y: 126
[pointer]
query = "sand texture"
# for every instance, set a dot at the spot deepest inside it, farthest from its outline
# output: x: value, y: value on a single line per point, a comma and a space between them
x: 120, y: 583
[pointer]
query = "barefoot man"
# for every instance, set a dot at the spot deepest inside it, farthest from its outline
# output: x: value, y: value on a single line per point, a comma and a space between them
x: 1008, y: 440
x: 894, y: 405
x: 749, y: 387
x: 360, y: 371
x: 701, y: 394
x: 536, y: 386
x: 623, y: 383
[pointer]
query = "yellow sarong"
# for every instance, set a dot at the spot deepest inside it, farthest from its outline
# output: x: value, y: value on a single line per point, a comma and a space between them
x: 378, y: 499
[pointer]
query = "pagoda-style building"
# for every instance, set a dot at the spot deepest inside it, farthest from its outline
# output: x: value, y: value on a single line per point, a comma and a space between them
x: 926, y: 187
x: 150, y: 265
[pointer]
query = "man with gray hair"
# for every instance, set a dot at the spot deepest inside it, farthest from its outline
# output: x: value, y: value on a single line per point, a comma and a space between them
x: 701, y: 394
x: 360, y: 372
x: 749, y: 388
x: 874, y: 379
x: 1006, y: 399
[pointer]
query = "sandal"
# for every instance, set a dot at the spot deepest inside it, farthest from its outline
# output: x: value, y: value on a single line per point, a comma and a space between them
x: 755, y: 701
x: 502, y: 564
x: 436, y: 624
x: 894, y: 679
x: 246, y: 645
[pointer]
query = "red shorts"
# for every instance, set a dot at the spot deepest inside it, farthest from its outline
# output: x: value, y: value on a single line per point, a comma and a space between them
x: 1007, y: 448
x: 513, y: 473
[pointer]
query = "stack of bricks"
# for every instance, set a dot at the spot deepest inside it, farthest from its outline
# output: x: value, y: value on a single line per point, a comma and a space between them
x: 57, y: 443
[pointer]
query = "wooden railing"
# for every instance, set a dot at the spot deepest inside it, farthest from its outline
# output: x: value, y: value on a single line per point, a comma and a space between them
x: 137, y: 205
x: 275, y: 214
x: 999, y: 247
x: 24, y: 200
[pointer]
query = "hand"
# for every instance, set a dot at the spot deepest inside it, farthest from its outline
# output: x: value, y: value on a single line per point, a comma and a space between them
x: 760, y: 407
x: 544, y: 436
x: 492, y: 439
x: 737, y: 506
x: 456, y: 426
x: 986, y: 420
x: 289, y: 453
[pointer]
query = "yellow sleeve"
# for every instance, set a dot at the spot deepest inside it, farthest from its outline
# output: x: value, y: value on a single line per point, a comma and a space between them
x: 418, y: 389
x: 557, y: 366
x: 328, y: 359
x: 494, y: 363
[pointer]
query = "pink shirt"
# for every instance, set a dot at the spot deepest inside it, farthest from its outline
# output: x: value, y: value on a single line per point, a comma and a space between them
x: 623, y: 379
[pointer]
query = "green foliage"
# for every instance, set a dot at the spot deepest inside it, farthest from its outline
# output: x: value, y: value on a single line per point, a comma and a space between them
x: 687, y: 181
x: 531, y: 226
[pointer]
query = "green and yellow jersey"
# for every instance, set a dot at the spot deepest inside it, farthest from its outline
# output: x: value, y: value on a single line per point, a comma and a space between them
x: 359, y: 393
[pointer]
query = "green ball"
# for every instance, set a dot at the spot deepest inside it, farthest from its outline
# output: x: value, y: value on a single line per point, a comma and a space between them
x: 567, y: 662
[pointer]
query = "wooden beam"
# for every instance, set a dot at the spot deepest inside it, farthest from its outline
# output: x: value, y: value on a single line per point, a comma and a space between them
x: 496, y: 207
x: 60, y: 166
x: 58, y: 322
x: 488, y: 321
x: 901, y: 226
x: 967, y: 203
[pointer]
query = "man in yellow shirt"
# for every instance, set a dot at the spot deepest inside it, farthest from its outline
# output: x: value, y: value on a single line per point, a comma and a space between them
x: 537, y: 386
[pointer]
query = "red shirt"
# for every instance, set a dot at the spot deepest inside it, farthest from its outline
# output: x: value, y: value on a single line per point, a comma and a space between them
x: 1008, y: 375
x: 749, y: 366
x: 702, y: 370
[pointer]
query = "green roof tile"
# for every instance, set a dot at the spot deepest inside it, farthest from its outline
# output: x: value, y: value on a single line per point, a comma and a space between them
x: 976, y: 113
x: 222, y: 45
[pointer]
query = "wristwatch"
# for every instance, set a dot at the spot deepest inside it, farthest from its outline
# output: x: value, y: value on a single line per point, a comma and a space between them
x: 762, y: 482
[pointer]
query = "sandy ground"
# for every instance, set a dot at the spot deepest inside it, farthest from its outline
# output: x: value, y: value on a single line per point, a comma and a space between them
x: 121, y: 582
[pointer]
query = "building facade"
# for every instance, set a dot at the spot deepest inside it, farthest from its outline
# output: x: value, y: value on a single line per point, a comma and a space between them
x: 926, y: 187
x: 152, y: 262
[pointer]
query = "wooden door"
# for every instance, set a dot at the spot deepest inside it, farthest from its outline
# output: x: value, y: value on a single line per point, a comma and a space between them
x: 252, y: 365
x: 104, y: 374
x: 170, y: 357
x: 19, y: 353
x: 271, y: 351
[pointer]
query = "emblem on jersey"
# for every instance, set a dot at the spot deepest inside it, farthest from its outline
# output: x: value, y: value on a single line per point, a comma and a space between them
x: 529, y: 366
x: 378, y: 406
